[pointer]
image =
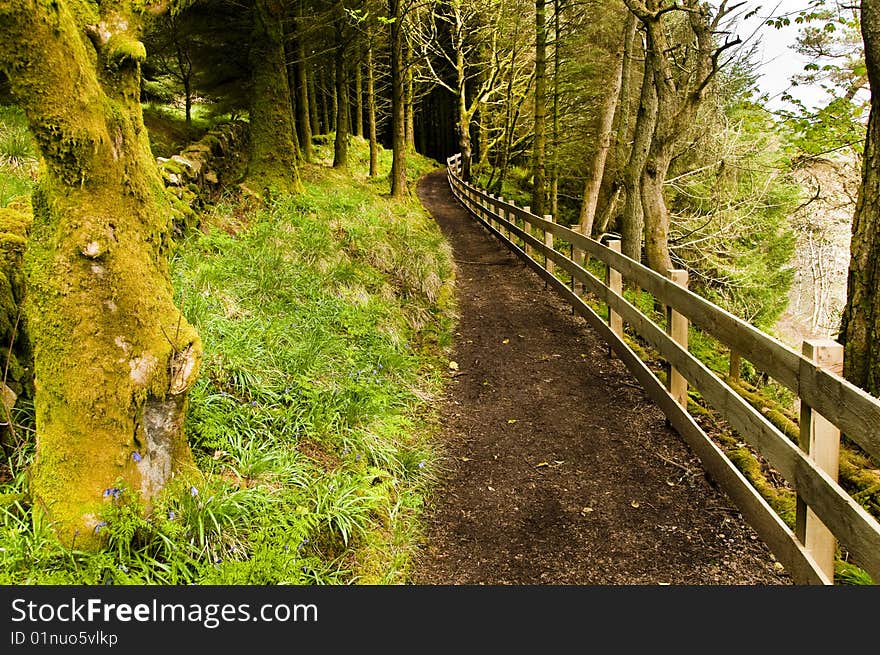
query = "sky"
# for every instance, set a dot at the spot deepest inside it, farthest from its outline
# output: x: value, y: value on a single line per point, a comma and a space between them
x: 779, y: 60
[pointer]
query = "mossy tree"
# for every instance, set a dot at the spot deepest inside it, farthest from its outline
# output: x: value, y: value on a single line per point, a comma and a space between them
x: 273, y: 148
x: 114, y: 359
x: 860, y: 327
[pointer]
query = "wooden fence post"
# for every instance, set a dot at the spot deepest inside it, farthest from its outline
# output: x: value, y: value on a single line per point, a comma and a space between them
x: 503, y: 214
x: 677, y: 328
x: 614, y: 280
x: 527, y: 230
x: 579, y: 257
x: 491, y: 210
x: 549, y: 265
x: 820, y: 439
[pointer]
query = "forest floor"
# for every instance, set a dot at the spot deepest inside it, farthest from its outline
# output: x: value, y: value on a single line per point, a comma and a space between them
x: 558, y: 468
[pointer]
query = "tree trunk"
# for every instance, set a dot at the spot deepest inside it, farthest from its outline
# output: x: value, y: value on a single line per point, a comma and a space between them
x: 410, y: 101
x: 114, y: 359
x: 187, y: 92
x: 554, y: 137
x: 633, y: 219
x: 860, y: 327
x: 334, y: 99
x: 313, y: 101
x: 371, y: 109
x: 605, y: 134
x: 273, y: 153
x: 340, y: 143
x: 463, y: 119
x: 303, y: 121
x: 654, y: 207
x: 539, y: 154
x: 398, y: 117
x: 325, y: 113
x: 358, y: 100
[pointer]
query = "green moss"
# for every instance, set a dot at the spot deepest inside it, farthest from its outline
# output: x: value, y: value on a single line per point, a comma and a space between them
x: 782, y: 500
x: 122, y: 48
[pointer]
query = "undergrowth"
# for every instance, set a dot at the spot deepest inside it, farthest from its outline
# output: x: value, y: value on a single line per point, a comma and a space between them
x: 324, y: 319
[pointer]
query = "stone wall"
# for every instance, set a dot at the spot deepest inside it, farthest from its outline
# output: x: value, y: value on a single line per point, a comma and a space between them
x: 196, y: 176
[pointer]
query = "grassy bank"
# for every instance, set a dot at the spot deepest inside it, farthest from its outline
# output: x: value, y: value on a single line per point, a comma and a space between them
x: 324, y: 319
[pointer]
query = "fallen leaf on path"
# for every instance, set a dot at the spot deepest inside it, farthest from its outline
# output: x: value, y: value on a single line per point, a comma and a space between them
x: 491, y: 488
x: 539, y: 465
x: 465, y: 459
x: 635, y: 504
x: 511, y: 420
x: 453, y: 366
x: 586, y: 510
x: 506, y: 341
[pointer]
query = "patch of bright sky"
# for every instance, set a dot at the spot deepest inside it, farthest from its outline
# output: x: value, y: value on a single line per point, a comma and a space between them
x: 775, y: 52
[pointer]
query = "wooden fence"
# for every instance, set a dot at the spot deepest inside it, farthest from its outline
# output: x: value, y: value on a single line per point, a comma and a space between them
x: 826, y: 513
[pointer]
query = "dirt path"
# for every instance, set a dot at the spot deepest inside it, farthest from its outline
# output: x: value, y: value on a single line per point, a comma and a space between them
x: 559, y: 468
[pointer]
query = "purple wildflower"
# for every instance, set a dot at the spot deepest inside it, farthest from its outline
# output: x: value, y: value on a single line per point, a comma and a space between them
x: 136, y: 456
x: 99, y: 526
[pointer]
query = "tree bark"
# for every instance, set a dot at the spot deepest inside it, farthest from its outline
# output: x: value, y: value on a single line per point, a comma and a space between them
x: 273, y: 152
x: 340, y: 143
x: 410, y: 100
x: 303, y: 120
x: 114, y: 358
x: 371, y: 108
x: 633, y: 219
x: 313, y: 101
x: 358, y: 100
x: 539, y: 149
x: 605, y: 133
x: 464, y: 117
x: 860, y: 326
x: 554, y: 137
x: 398, y: 117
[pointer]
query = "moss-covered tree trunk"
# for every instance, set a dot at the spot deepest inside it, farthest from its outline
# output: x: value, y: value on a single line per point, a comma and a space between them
x: 303, y: 100
x: 398, y: 127
x: 860, y: 328
x: 340, y: 142
x: 114, y: 359
x: 596, y: 172
x: 632, y: 227
x: 539, y: 144
x: 273, y: 152
x: 371, y: 108
x: 358, y: 123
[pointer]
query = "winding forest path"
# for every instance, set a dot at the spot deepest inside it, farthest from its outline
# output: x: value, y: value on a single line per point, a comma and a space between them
x: 558, y: 468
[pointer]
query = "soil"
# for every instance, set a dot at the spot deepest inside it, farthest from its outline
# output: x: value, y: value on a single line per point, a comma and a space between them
x: 558, y: 468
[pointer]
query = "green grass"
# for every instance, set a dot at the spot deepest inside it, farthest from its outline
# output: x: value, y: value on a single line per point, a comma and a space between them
x: 18, y: 157
x: 324, y: 319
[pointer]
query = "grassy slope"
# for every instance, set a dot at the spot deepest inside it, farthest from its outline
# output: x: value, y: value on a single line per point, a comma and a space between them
x: 324, y: 320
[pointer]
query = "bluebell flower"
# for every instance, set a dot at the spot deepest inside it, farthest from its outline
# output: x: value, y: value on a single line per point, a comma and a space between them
x: 193, y: 492
x: 123, y: 568
x: 253, y: 403
x: 422, y: 464
x: 136, y: 456
x: 99, y: 526
x: 112, y: 491
x: 171, y: 515
x: 357, y: 457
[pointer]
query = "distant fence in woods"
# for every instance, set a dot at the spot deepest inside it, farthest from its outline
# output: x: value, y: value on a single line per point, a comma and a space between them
x: 830, y: 405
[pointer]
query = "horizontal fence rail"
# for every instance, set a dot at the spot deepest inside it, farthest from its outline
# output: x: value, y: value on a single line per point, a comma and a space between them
x: 826, y: 513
